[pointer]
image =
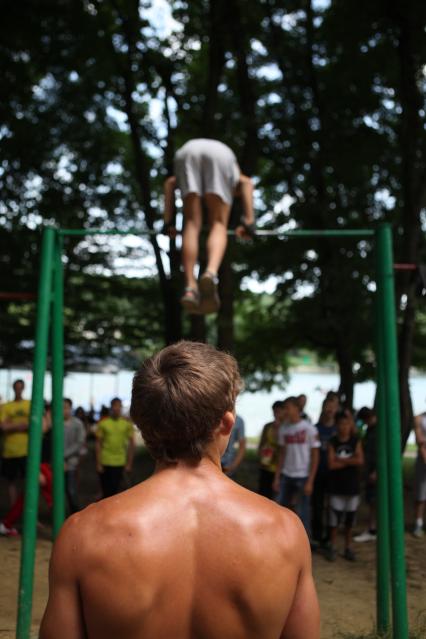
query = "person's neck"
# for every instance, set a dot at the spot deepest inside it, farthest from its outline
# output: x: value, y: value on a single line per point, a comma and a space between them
x: 328, y: 422
x: 296, y: 420
x: 208, y: 464
x: 343, y: 438
x: 18, y: 398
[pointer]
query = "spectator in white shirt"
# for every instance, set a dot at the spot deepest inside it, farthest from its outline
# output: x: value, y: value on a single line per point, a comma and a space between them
x: 297, y: 463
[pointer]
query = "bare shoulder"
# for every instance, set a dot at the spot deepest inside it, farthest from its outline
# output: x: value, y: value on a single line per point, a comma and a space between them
x: 285, y: 531
x: 66, y: 553
x: 76, y: 529
x: 81, y: 533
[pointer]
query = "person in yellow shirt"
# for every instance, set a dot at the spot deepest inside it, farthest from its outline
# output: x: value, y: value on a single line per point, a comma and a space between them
x: 268, y: 451
x: 14, y: 421
x: 115, y: 445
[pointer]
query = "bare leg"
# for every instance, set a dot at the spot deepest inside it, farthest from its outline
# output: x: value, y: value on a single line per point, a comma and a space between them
x: 331, y: 553
x: 348, y: 536
x: 217, y: 240
x: 333, y: 535
x: 191, y: 231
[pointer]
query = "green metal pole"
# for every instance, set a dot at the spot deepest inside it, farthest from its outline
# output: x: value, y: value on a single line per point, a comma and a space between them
x: 57, y: 391
x: 385, y: 286
x: 35, y: 435
x: 383, y: 542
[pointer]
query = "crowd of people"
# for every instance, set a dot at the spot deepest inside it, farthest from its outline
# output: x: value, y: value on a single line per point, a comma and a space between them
x: 114, y: 451
x: 319, y: 470
x: 322, y: 470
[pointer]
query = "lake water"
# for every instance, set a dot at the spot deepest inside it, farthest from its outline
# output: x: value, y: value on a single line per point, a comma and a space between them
x: 255, y: 408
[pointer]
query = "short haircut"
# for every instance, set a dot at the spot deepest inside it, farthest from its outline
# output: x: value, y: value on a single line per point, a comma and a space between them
x: 327, y: 400
x: 292, y: 400
x: 18, y: 381
x: 278, y: 404
x: 332, y: 395
x: 341, y: 415
x: 104, y: 411
x: 68, y: 401
x: 115, y: 399
x: 365, y: 413
x: 180, y: 395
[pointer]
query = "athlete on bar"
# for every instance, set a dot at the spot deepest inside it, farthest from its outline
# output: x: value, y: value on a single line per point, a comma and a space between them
x: 206, y: 170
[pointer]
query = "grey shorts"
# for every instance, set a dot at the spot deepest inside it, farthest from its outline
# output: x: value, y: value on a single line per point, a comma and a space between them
x: 207, y: 166
x: 420, y: 479
x: 343, y: 504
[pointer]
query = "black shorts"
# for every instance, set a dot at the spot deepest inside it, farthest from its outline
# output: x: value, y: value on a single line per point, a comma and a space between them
x: 13, y: 467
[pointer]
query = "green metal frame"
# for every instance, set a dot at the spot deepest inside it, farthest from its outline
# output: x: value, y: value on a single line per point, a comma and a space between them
x: 390, y: 423
x: 391, y: 572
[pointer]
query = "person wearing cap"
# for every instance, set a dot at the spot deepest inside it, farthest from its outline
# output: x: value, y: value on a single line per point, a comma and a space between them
x: 206, y: 172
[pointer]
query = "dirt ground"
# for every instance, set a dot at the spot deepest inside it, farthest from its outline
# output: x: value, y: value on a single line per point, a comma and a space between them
x: 346, y: 590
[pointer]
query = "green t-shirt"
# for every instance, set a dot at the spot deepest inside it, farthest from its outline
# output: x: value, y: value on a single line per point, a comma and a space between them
x: 269, y: 450
x: 114, y: 435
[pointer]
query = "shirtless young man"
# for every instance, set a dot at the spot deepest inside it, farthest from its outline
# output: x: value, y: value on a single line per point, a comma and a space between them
x: 206, y: 170
x: 188, y: 553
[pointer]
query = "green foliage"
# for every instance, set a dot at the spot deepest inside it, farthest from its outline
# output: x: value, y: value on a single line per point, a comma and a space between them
x: 261, y: 343
x: 111, y: 320
x: 97, y: 98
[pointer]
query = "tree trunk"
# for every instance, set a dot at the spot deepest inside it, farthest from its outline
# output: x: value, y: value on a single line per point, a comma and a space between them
x: 216, y: 63
x: 328, y: 259
x: 344, y: 360
x: 172, y: 312
x: 413, y: 190
x: 240, y: 44
x: 225, y: 320
x: 248, y: 162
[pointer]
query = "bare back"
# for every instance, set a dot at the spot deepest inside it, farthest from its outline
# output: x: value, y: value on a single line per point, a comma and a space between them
x: 187, y: 554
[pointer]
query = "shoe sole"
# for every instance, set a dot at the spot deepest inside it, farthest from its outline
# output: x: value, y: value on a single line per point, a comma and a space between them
x: 364, y: 540
x: 209, y: 299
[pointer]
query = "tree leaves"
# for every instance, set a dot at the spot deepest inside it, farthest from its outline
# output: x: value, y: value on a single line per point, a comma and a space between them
x: 309, y: 95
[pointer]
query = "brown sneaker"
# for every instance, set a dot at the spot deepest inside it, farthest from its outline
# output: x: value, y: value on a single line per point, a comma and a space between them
x: 209, y: 298
x: 190, y: 300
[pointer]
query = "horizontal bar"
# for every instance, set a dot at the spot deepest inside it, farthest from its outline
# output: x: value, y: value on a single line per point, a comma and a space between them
x: 4, y: 295
x: 318, y: 233
x: 259, y: 232
x: 405, y: 267
x: 106, y: 232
